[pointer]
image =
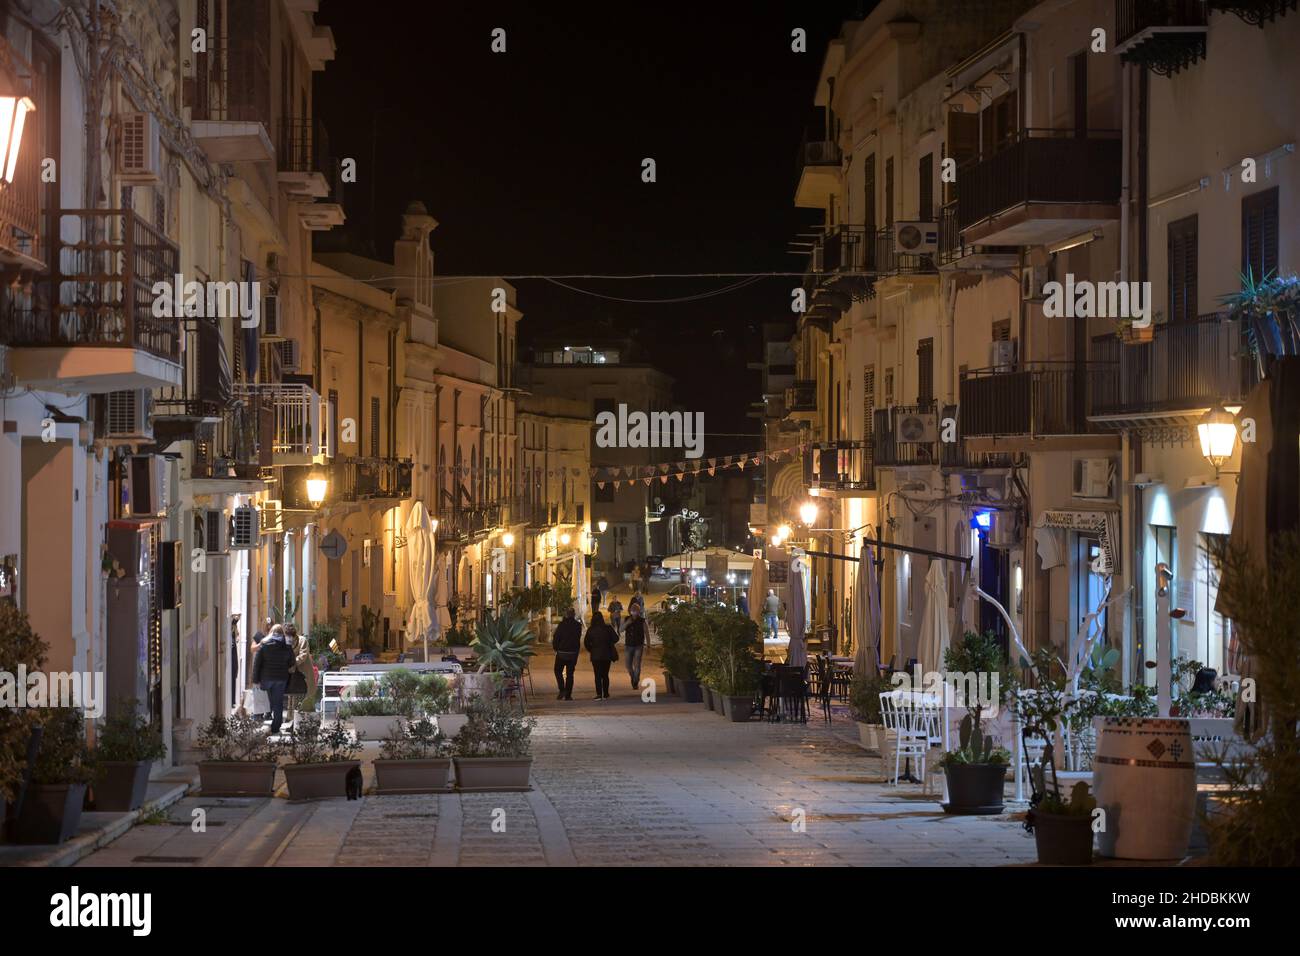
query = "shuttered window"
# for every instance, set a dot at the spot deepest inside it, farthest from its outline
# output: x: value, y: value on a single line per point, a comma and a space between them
x: 869, y: 192
x: 925, y: 181
x: 869, y: 399
x: 925, y: 371
x: 374, y: 427
x: 1259, y: 234
x: 1182, y: 270
x: 889, y: 191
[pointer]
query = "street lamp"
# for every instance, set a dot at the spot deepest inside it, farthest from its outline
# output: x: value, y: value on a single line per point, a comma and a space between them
x: 13, y: 116
x: 1218, y: 434
x: 565, y: 539
x: 317, y: 486
x: 808, y: 513
x: 783, y: 532
x: 508, y: 540
x: 602, y: 524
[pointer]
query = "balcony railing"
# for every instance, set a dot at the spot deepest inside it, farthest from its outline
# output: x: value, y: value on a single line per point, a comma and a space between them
x: 801, y: 396
x: 888, y: 261
x: 99, y: 290
x: 1162, y: 35
x: 840, y: 466
x: 232, y: 80
x: 898, y: 440
x: 20, y: 200
x: 1041, y: 399
x: 302, y: 146
x: 951, y: 247
x: 299, y: 434
x: 205, y: 388
x: 1186, y: 365
x: 464, y: 523
x: 238, y: 445
x: 815, y: 152
x: 363, y: 479
x: 1040, y: 166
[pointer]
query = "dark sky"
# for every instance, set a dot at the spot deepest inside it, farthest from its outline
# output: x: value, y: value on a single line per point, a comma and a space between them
x: 531, y: 160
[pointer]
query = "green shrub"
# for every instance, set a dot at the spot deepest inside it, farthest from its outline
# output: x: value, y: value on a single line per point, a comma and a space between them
x: 864, y: 697
x: 503, y: 644
x: 20, y: 646
x: 418, y: 740
x: 235, y: 738
x: 128, y: 736
x: 64, y: 756
x: 316, y: 744
x: 493, y: 730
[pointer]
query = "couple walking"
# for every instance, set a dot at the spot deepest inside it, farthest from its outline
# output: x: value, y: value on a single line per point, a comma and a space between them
x: 601, y: 642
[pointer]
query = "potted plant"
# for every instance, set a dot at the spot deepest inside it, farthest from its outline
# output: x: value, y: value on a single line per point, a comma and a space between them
x: 1062, y: 826
x: 414, y: 760
x: 63, y: 767
x: 322, y: 760
x: 864, y: 702
x: 734, y: 650
x: 502, y: 644
x: 492, y: 751
x: 240, y: 760
x: 20, y: 647
x: 125, y: 752
x: 676, y: 629
x: 977, y: 769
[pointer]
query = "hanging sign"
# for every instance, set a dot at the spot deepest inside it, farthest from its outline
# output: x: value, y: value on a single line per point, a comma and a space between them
x: 333, y: 545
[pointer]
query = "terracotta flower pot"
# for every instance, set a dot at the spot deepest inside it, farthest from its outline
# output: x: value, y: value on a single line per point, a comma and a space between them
x: 310, y: 781
x: 237, y: 778
x: 429, y: 775
x: 122, y: 785
x: 493, y: 773
x: 50, y: 813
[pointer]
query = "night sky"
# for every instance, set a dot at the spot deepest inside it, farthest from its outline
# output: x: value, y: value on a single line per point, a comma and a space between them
x: 531, y: 160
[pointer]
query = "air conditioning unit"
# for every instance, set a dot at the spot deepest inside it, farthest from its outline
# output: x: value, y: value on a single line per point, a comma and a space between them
x: 245, y: 532
x: 1032, y: 281
x: 916, y: 238
x: 214, y: 534
x: 1004, y: 530
x: 916, y: 427
x: 288, y: 349
x: 139, y: 150
x: 128, y: 415
x: 1092, y: 477
x: 271, y: 316
x: 271, y: 516
x: 147, y: 484
x: 1002, y: 354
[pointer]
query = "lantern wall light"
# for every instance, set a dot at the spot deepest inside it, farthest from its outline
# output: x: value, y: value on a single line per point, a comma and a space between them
x: 317, y: 487
x: 1217, y: 431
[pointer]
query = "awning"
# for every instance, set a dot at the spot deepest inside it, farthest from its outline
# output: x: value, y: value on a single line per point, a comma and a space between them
x: 1104, y: 524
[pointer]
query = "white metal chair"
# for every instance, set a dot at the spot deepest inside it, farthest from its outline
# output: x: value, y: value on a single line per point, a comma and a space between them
x: 912, y: 719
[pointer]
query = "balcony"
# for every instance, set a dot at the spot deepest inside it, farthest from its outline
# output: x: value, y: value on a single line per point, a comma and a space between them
x: 466, y: 524
x: 1041, y: 400
x: 230, y: 110
x: 1046, y: 186
x: 953, y: 250
x: 840, y: 272
x: 303, y: 164
x: 205, y: 388
x: 801, y: 401
x: 20, y: 201
x: 840, y: 469
x: 1255, y: 12
x: 887, y: 260
x: 298, y: 418
x: 819, y: 163
x: 906, y: 435
x: 1186, y: 369
x: 88, y: 325
x: 233, y: 450
x: 1165, y: 36
x: 351, y: 479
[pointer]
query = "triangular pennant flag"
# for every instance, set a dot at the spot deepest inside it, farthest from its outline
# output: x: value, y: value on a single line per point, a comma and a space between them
x: 647, y: 480
x: 600, y: 485
x: 711, y: 471
x: 741, y: 464
x: 663, y: 479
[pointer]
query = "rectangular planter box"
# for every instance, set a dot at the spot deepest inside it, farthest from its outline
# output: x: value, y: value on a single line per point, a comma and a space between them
x: 707, y: 694
x: 413, y: 776
x: 237, y: 778
x: 376, y: 728
x: 309, y: 781
x: 122, y: 784
x: 738, y: 709
x: 493, y: 773
x: 50, y: 814
x: 869, y: 735
x: 692, y: 692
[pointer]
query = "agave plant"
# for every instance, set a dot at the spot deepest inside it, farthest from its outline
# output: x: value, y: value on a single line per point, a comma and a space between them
x: 503, y: 644
x: 1269, y: 311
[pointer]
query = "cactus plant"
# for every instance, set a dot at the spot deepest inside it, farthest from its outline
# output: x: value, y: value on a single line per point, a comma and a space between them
x: 976, y: 746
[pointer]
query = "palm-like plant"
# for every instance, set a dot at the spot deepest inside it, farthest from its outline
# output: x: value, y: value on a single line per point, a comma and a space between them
x: 1269, y: 310
x: 503, y: 644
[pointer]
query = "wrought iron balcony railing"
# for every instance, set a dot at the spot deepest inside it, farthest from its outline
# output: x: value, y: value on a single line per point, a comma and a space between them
x: 801, y: 396
x: 205, y: 388
x: 238, y: 445
x: 1163, y: 35
x: 840, y: 466
x: 1040, y: 399
x: 300, y: 431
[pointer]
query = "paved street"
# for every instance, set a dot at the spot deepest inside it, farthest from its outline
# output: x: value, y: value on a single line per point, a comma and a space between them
x: 620, y: 782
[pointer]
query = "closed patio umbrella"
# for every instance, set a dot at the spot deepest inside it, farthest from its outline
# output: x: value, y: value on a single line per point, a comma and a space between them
x: 421, y: 574
x: 581, y: 589
x: 934, y: 620
x: 866, y: 614
x: 757, y: 590
x: 796, y: 617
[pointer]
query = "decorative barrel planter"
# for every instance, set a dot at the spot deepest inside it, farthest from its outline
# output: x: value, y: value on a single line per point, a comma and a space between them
x: 1063, y: 839
x: 737, y: 709
x: 377, y: 728
x: 692, y: 693
x: 429, y: 775
x: 50, y: 813
x: 449, y: 725
x: 123, y: 784
x: 309, y: 781
x: 975, y: 788
x: 493, y: 773
x: 1145, y: 776
x: 237, y: 778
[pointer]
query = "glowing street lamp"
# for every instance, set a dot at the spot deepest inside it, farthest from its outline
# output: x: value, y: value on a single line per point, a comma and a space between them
x: 565, y: 539
x: 808, y: 513
x: 13, y: 116
x: 317, y: 486
x: 602, y: 524
x: 783, y: 532
x: 1218, y: 434
x: 508, y: 540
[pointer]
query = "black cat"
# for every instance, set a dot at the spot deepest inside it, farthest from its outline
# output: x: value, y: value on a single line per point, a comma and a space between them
x: 354, y: 783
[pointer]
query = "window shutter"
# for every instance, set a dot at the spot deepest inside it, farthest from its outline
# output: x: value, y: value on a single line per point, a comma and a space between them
x: 925, y: 181
x: 374, y: 427
x: 869, y: 399
x: 925, y: 372
x: 1182, y: 270
x: 1259, y: 234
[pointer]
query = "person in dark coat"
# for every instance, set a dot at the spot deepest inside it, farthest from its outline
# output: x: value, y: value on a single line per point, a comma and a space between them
x: 567, y: 642
x: 602, y: 644
x: 275, y: 659
x: 634, y: 641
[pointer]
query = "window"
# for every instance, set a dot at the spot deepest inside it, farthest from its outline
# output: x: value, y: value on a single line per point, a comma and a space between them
x: 925, y: 183
x: 998, y: 123
x: 889, y: 387
x: 889, y: 191
x: 869, y: 192
x: 925, y: 371
x: 1259, y: 234
x: 1090, y: 587
x: 963, y: 144
x: 868, y: 399
x: 332, y: 420
x: 1218, y: 629
x: 1182, y: 270
x: 374, y: 427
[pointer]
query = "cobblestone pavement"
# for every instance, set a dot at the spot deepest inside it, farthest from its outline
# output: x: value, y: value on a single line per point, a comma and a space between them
x: 615, y: 783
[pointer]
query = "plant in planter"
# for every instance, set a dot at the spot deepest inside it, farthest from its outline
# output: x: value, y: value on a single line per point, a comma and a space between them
x: 63, y: 767
x: 677, y: 632
x: 20, y: 647
x: 415, y: 760
x: 1062, y: 826
x: 372, y: 712
x: 240, y: 760
x: 977, y: 769
x: 125, y: 751
x: 492, y: 751
x: 864, y: 703
x: 322, y: 759
x: 503, y: 644
x: 734, y: 652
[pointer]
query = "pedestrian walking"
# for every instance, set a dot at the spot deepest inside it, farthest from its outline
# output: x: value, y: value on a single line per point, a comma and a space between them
x: 602, y: 644
x: 271, y: 672
x: 615, y: 608
x: 595, y: 597
x: 636, y: 601
x: 635, y: 638
x: 567, y: 642
x: 254, y: 643
x: 771, y: 607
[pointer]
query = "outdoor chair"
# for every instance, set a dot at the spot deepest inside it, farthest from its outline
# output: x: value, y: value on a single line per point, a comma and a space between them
x: 789, y: 699
x: 912, y: 719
